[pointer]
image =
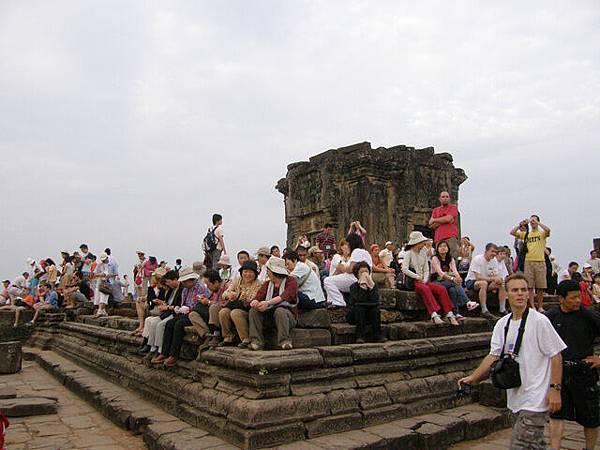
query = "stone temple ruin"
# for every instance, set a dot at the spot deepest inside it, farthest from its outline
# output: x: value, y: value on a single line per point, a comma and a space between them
x: 390, y: 190
x: 329, y: 391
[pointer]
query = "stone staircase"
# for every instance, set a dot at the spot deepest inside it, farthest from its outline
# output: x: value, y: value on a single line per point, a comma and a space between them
x: 327, y: 384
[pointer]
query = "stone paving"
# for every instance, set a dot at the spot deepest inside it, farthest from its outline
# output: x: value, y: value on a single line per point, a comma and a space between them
x: 572, y: 440
x: 77, y: 425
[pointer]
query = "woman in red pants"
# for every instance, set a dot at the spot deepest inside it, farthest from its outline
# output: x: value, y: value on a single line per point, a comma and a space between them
x: 416, y: 267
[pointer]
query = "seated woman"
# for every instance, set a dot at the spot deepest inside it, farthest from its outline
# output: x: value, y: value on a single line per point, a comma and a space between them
x: 445, y: 273
x: 465, y: 254
x: 381, y: 275
x: 363, y: 304
x: 276, y: 299
x: 165, y: 301
x: 416, y: 269
x: 194, y: 292
x: 239, y: 295
x: 340, y: 258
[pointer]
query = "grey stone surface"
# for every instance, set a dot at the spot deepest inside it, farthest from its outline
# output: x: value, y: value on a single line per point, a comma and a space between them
x: 390, y: 190
x: 28, y: 406
x: 10, y: 357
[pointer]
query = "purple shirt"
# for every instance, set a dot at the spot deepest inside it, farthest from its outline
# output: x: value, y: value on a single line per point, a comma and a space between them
x: 189, y: 297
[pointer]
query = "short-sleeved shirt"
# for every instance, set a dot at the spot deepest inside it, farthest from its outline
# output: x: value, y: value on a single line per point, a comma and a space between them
x: 578, y: 329
x: 360, y: 254
x: 308, y: 282
x: 446, y: 230
x: 51, y: 298
x: 491, y: 268
x: 326, y: 243
x: 540, y: 343
x: 536, y: 244
x: 219, y: 235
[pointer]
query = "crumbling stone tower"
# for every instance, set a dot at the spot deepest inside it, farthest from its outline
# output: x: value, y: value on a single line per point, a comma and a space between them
x: 390, y: 190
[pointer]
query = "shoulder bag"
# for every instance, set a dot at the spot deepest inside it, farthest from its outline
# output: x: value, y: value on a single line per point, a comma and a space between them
x: 505, y: 372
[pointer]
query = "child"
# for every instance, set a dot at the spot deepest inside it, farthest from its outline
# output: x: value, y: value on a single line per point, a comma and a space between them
x: 596, y: 288
x: 224, y: 268
x: 363, y: 304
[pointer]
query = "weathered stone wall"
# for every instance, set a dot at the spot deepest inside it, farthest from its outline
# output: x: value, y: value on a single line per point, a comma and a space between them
x: 391, y: 191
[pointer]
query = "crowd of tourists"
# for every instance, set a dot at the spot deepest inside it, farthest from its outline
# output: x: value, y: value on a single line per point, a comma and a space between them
x: 271, y: 287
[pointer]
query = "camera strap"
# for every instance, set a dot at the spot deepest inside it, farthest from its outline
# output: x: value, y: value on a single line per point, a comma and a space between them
x: 519, y: 334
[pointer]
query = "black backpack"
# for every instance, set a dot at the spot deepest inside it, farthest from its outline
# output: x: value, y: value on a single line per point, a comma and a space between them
x: 210, y: 240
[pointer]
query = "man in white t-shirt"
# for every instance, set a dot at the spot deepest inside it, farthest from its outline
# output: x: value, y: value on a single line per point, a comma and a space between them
x: 308, y: 281
x: 485, y: 275
x: 336, y: 285
x: 540, y: 366
x: 215, y: 255
x: 567, y: 274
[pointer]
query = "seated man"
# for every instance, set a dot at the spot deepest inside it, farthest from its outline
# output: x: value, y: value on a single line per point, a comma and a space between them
x: 363, y: 304
x: 216, y: 302
x: 484, y: 277
x: 77, y: 291
x: 47, y: 300
x: 194, y: 292
x: 277, y: 300
x: 310, y: 293
x: 19, y: 287
x: 4, y: 295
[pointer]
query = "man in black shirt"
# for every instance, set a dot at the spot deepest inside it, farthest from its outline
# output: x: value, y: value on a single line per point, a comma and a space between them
x: 578, y: 327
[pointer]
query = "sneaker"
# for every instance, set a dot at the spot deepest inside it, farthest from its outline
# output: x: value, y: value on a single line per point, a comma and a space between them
x: 170, y: 361
x: 488, y: 315
x: 472, y: 305
x: 437, y: 320
x: 287, y: 345
x: 459, y: 317
x: 243, y: 344
x: 453, y: 321
x: 144, y: 349
x: 255, y: 346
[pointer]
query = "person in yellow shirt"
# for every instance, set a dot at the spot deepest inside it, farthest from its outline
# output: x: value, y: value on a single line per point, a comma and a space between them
x: 535, y: 266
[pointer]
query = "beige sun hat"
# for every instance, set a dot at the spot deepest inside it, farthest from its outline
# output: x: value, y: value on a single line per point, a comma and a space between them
x: 277, y: 265
x: 416, y: 237
x: 187, y: 273
x: 103, y: 256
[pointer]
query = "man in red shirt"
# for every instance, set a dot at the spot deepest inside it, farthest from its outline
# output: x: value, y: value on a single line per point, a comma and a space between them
x: 444, y: 221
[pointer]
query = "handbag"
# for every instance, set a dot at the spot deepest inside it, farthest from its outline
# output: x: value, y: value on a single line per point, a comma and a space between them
x: 105, y: 287
x: 505, y: 371
x: 409, y: 282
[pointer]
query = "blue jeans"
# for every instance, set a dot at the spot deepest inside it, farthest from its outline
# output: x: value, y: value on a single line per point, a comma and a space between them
x: 456, y: 292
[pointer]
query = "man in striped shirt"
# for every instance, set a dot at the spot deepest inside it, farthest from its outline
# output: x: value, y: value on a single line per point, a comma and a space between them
x: 326, y: 241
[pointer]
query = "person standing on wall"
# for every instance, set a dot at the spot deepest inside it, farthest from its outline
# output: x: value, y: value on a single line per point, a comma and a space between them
x: 444, y: 222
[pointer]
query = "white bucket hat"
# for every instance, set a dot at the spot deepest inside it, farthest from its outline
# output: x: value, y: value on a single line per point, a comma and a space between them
x: 187, y: 273
x: 103, y: 257
x: 416, y: 237
x: 277, y: 265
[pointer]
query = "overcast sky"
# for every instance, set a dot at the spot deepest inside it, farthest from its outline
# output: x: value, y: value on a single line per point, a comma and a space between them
x: 127, y: 124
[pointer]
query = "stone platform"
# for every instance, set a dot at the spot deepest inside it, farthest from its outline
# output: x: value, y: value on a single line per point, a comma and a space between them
x: 326, y: 386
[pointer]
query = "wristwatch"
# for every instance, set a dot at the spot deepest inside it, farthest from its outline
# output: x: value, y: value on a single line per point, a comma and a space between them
x: 558, y: 387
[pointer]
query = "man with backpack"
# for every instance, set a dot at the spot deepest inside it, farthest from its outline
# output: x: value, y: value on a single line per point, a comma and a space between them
x: 214, y: 245
x: 526, y: 342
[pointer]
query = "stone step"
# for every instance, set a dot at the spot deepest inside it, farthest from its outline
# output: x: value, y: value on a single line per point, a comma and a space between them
x: 344, y: 333
x: 160, y: 430
x: 431, y: 431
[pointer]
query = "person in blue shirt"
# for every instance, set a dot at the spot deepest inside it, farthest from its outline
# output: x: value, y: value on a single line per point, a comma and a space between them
x: 47, y: 300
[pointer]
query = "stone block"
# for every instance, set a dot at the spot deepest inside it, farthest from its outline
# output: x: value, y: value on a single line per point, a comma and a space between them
x: 408, y: 391
x: 334, y: 424
x: 373, y: 397
x: 317, y: 318
x: 390, y: 316
x: 11, y: 356
x: 28, y: 406
x: 408, y: 301
x: 337, y: 315
x: 264, y: 437
x: 384, y: 414
x: 397, y: 437
x: 8, y: 392
x: 387, y: 298
x: 343, y: 401
x: 491, y: 396
x: 335, y: 356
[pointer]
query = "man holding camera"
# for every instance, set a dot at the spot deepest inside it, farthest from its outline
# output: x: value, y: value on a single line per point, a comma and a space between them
x: 539, y: 365
x: 578, y: 327
x: 535, y: 256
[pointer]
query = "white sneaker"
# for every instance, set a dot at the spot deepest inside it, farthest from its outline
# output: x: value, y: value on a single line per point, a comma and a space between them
x: 437, y: 319
x: 452, y: 320
x: 472, y: 305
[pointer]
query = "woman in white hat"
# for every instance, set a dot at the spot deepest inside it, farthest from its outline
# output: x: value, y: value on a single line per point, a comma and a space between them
x: 416, y: 267
x: 278, y: 296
